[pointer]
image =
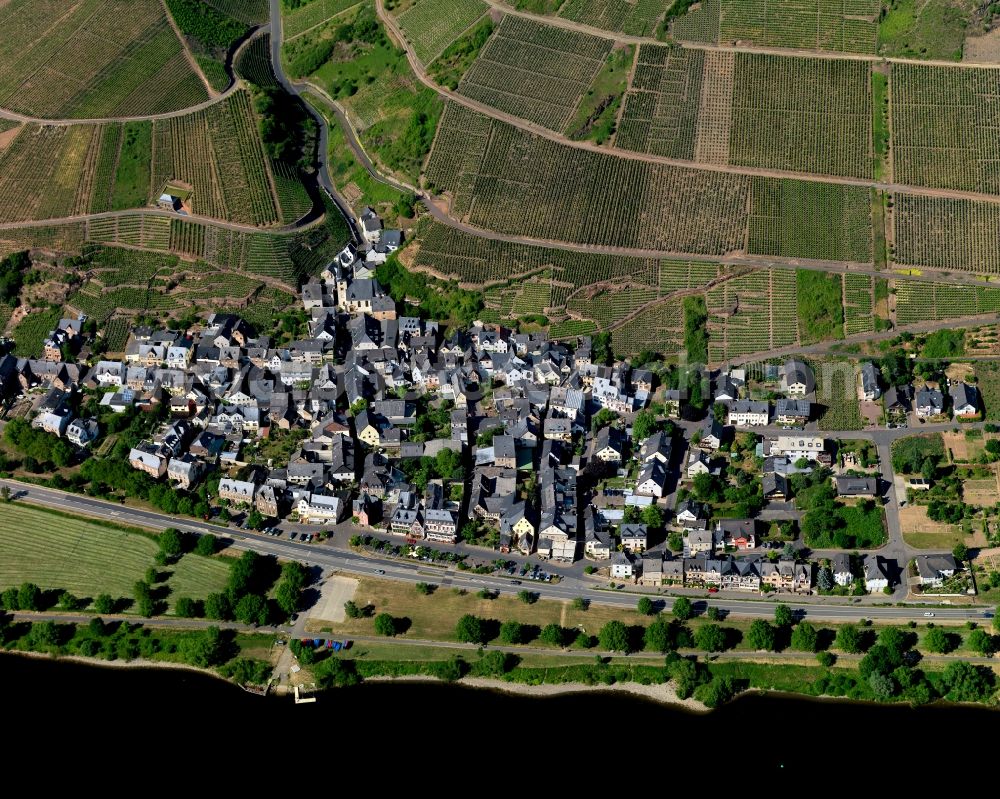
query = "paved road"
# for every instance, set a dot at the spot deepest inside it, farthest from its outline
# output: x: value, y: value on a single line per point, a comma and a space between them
x: 345, y: 560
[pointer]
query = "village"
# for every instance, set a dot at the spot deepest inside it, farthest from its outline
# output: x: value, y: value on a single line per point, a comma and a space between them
x: 505, y: 441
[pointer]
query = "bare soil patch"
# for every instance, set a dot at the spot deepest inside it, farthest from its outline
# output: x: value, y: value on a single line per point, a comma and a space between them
x: 334, y: 593
x: 962, y: 448
x: 983, y: 49
x: 8, y: 135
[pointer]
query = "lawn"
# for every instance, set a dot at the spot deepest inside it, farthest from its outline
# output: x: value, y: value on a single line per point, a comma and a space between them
x: 820, y: 306
x: 88, y: 558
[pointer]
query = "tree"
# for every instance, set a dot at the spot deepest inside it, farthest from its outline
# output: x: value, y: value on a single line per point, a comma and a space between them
x: 614, y: 637
x: 961, y: 553
x: 44, y: 633
x: 5, y: 493
x: 714, y: 613
x: 963, y: 682
x: 171, y: 542
x: 849, y: 639
x: 9, y: 599
x: 711, y: 638
x: 553, y: 635
x: 682, y: 608
x: 470, y: 630
x: 826, y: 659
x: 351, y: 610
x: 67, y: 601
x: 424, y: 589
x: 652, y: 517
x: 824, y: 580
x: 981, y: 642
x: 717, y: 692
x: 207, y: 649
x: 644, y: 426
x: 255, y: 519
x: 186, y: 607
x: 937, y: 640
x: 251, y: 609
x: 104, y: 604
x: 579, y: 603
x: 287, y: 597
x: 675, y: 541
x: 602, y: 418
x: 882, y: 685
x: 511, y: 632
x: 687, y: 676
x: 646, y: 607
x: 218, y: 607
x: 144, y: 599
x: 527, y: 597
x: 657, y: 637
x: 205, y: 545
x: 385, y: 624
x: 760, y: 635
x: 804, y: 637
x: 29, y: 597
x: 783, y: 616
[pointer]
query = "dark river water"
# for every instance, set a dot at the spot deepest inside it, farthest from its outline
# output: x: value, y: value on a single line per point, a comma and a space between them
x: 129, y: 715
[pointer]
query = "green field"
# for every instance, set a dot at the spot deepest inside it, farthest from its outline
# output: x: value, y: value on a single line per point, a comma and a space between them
x: 432, y: 25
x: 314, y: 13
x: 821, y: 306
x: 752, y: 313
x: 92, y: 59
x: 843, y: 25
x: 923, y: 301
x: 802, y: 115
x: 88, y: 558
x: 31, y: 332
x: 835, y: 391
x: 915, y: 29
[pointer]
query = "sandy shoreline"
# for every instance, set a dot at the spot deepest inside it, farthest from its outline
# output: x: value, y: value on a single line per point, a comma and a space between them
x: 663, y: 693
x: 138, y: 663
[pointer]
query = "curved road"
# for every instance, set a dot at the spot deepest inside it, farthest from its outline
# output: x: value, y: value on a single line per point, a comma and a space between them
x: 327, y: 557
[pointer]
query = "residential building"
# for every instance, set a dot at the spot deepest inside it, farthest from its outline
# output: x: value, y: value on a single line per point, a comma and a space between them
x: 868, y: 382
x: 748, y: 413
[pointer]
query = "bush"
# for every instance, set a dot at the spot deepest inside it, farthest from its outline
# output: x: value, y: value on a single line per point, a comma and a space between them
x: 470, y: 630
x: 385, y: 624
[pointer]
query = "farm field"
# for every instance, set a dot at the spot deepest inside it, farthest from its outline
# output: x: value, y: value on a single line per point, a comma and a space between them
x: 534, y: 71
x: 798, y: 219
x: 923, y: 301
x: 30, y: 333
x: 432, y: 25
x: 843, y: 25
x: 92, y: 59
x: 662, y: 103
x: 755, y: 312
x: 510, y: 181
x: 801, y: 114
x: 660, y: 328
x: 254, y: 63
x: 944, y: 233
x: 944, y: 124
x: 859, y: 316
x: 88, y: 558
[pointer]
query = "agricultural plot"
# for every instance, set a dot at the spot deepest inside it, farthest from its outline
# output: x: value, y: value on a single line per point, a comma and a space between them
x: 859, y: 316
x: 849, y: 26
x: 751, y: 313
x: 661, y: 106
x: 945, y: 127
x: 943, y: 233
x: 659, y: 328
x: 311, y: 14
x: 431, y: 25
x: 610, y: 305
x: 512, y: 181
x: 66, y: 237
x: 633, y: 18
x: 797, y: 219
x: 135, y: 230
x: 835, y: 391
x: 30, y: 333
x: 571, y: 328
x: 249, y: 12
x: 88, y: 558
x: 93, y: 58
x: 700, y: 24
x: 534, y: 71
x: 715, y: 109
x: 219, y: 152
x: 532, y: 295
x: 254, y: 63
x: 924, y: 301
x: 802, y: 114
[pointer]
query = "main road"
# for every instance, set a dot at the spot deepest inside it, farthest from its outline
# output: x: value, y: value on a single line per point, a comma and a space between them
x: 343, y: 559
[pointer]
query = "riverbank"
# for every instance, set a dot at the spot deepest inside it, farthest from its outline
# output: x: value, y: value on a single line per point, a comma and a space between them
x: 138, y: 663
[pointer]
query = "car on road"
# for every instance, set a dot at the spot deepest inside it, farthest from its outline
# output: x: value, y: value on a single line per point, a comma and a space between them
x: 515, y: 582
x: 291, y: 535
x: 928, y: 615
x: 713, y: 590
x: 379, y: 571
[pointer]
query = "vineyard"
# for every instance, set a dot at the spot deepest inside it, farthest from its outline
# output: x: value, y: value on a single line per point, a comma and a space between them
x: 947, y: 234
x: 835, y: 392
x: 507, y: 180
x: 944, y: 124
x: 844, y: 25
x: 254, y: 63
x: 924, y: 301
x: 219, y: 152
x: 752, y: 313
x: 700, y: 24
x: 31, y: 332
x: 312, y: 14
x: 802, y: 115
x: 65, y: 237
x: 534, y: 71
x: 798, y: 219
x: 637, y: 18
x: 659, y: 328
x: 249, y: 12
x: 661, y: 106
x: 431, y: 25
x: 859, y: 316
x: 93, y: 58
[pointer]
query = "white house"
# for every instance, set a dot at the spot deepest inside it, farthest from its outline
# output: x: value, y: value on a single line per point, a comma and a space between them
x: 876, y: 579
x: 622, y: 566
x: 748, y: 413
x: 652, y: 480
x: 320, y: 509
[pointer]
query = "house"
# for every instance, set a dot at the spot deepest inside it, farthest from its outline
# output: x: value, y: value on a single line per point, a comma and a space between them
x: 320, y: 509
x: 238, y: 492
x: 899, y: 399
x: 371, y: 225
x: 148, y: 459
x: 699, y: 463
x: 933, y: 570
x: 748, y: 413
x: 672, y: 403
x: 737, y: 533
x: 658, y: 446
x: 725, y: 390
x: 652, y: 480
x: 622, y: 566
x: 840, y: 565
x: 711, y: 434
x: 652, y: 569
x: 698, y: 541
x: 266, y: 500
x: 635, y: 537
x: 775, y: 487
x: 185, y: 470
x: 555, y: 429
x: 857, y: 486
x: 367, y: 510
x: 689, y: 511
x: 868, y: 382
x: 797, y: 379
x: 875, y: 571
x: 792, y: 411
x: 918, y: 483
x: 964, y: 401
x: 609, y: 445
x: 928, y: 402
x: 672, y: 571
x: 504, y: 452
x: 82, y: 431
x: 796, y: 447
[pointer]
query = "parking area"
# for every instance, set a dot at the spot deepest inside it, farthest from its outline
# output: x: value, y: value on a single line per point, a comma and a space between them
x: 333, y: 594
